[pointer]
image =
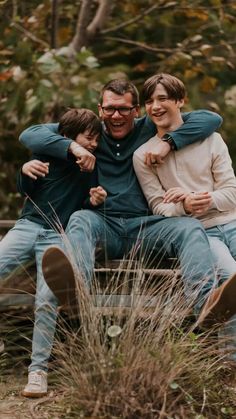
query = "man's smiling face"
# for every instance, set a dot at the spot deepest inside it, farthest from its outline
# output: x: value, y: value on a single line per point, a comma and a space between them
x: 118, y: 125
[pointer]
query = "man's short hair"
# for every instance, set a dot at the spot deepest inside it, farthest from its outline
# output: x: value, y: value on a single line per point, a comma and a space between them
x: 120, y: 87
x: 173, y: 86
x: 77, y: 121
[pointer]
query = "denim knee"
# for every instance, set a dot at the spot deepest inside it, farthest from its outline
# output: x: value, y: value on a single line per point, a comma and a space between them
x: 189, y: 232
x: 86, y: 221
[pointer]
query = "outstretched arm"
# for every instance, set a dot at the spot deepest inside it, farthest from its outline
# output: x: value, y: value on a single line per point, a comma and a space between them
x: 44, y: 139
x: 198, y: 125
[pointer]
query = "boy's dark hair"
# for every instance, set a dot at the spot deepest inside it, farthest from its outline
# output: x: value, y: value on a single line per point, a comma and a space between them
x: 120, y: 87
x: 173, y: 86
x: 77, y: 121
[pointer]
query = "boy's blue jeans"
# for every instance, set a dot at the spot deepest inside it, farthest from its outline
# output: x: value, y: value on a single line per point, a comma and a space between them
x: 25, y: 242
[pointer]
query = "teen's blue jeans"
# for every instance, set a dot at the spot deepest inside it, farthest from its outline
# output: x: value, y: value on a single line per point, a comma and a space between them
x: 181, y: 237
x: 222, y: 240
x: 25, y: 242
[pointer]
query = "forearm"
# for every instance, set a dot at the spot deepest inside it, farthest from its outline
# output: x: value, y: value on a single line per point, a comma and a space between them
x: 154, y: 194
x: 198, y: 125
x: 168, y: 210
x: 44, y: 139
x: 224, y: 200
x: 154, y: 191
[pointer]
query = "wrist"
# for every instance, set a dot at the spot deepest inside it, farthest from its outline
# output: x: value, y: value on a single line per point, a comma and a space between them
x: 74, y: 148
x: 169, y: 140
x: 186, y: 206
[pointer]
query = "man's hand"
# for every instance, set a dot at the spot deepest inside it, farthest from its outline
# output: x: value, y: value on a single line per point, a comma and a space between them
x: 97, y: 195
x: 84, y: 158
x: 175, y: 195
x: 197, y: 203
x: 157, y: 156
x: 35, y: 168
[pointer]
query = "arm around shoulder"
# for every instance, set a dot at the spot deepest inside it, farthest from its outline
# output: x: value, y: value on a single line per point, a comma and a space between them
x: 44, y: 139
x: 198, y: 125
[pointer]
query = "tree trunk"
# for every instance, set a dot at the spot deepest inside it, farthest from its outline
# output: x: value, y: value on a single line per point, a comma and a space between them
x: 89, y: 22
x: 54, y: 29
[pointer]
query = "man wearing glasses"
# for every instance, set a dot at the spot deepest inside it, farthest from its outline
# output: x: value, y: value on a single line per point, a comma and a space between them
x: 124, y: 222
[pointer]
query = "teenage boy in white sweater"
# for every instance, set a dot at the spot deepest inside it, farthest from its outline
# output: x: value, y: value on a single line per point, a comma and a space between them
x: 197, y: 181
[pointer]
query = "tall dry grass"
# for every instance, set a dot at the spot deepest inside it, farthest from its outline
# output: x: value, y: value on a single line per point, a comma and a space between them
x: 145, y: 361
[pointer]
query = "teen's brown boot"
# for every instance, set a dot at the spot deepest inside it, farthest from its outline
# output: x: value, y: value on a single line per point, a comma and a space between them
x: 220, y: 306
x: 60, y: 277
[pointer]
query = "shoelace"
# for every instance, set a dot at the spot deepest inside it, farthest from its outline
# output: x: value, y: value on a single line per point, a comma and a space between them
x: 35, y: 379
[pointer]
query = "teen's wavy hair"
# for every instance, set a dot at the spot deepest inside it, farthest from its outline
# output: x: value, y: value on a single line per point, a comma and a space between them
x: 173, y: 86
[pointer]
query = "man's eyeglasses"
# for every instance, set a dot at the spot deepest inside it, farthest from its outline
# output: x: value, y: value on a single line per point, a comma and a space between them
x: 124, y: 111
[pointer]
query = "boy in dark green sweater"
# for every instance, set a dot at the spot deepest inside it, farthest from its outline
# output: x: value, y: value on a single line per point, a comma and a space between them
x: 54, y: 188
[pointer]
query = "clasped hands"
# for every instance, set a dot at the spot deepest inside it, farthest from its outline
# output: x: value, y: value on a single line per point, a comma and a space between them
x: 194, y: 203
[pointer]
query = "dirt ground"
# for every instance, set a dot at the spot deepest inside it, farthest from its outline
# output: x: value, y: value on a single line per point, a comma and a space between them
x: 16, y: 332
x: 14, y: 406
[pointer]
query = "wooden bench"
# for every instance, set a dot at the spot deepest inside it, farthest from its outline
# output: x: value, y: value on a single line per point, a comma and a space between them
x: 118, y: 283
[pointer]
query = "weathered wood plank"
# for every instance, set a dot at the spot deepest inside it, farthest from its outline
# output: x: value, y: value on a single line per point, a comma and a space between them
x: 118, y: 283
x: 7, y: 223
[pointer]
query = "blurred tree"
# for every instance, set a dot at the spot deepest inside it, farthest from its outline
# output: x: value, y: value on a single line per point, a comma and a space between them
x: 58, y: 53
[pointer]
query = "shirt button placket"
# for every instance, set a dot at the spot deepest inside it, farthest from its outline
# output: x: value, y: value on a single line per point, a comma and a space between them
x: 118, y: 145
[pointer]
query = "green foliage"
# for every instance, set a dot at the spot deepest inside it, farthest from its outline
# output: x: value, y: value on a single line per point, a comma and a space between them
x: 194, y: 40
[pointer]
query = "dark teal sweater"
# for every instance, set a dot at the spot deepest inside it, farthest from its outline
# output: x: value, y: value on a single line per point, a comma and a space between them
x: 114, y: 158
x: 55, y: 196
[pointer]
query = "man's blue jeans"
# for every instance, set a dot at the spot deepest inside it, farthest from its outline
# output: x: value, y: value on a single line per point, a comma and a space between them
x: 181, y: 237
x: 25, y: 242
x: 222, y: 240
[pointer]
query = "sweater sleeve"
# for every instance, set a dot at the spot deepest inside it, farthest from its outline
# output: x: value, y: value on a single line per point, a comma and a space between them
x: 153, y: 190
x: 198, y: 125
x: 25, y: 185
x: 44, y: 139
x: 224, y: 194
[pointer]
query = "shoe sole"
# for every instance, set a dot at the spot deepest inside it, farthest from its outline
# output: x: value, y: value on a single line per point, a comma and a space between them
x: 223, y: 308
x: 33, y: 395
x: 59, y: 276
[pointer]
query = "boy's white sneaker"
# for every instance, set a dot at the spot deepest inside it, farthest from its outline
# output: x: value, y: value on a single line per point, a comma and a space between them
x: 37, y: 384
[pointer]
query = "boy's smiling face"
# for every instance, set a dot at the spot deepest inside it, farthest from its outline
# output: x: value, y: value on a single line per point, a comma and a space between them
x: 88, y: 140
x: 164, y: 111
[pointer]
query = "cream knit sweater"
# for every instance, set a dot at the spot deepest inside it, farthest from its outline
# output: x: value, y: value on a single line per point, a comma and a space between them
x: 199, y: 167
